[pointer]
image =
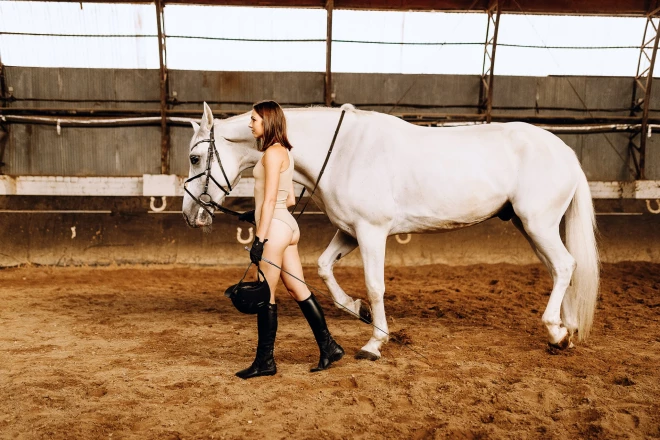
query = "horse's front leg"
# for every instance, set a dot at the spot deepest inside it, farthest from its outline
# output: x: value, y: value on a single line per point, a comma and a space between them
x: 372, y: 247
x: 341, y: 245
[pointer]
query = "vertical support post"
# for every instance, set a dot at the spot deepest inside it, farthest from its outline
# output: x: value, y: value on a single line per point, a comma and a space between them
x: 4, y: 130
x: 642, y: 83
x: 329, y: 6
x: 488, y: 67
x: 162, y: 56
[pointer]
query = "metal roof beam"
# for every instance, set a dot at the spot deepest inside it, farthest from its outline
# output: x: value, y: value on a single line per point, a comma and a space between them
x: 560, y: 7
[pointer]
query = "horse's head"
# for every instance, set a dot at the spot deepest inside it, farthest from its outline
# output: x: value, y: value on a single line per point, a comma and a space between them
x: 216, y: 153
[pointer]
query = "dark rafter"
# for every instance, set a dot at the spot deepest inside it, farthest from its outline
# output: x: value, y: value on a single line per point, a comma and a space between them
x: 561, y: 7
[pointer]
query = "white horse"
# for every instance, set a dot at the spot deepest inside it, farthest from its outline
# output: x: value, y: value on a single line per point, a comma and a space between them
x: 386, y: 176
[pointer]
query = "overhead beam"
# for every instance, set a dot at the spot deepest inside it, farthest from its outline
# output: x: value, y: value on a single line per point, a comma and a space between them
x: 637, y: 8
x: 162, y: 56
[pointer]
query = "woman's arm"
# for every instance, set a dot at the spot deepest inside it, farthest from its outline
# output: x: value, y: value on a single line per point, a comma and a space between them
x: 272, y: 161
x: 291, y: 198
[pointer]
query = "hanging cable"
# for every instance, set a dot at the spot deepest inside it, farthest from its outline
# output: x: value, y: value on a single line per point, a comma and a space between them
x: 320, y: 40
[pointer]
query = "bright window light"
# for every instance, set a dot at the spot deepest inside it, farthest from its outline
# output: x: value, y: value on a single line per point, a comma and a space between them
x: 407, y: 27
x: 223, y: 38
x: 217, y: 22
x: 74, y: 19
x: 571, y: 31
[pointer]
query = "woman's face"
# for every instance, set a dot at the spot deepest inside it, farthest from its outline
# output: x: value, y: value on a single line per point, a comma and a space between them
x: 256, y: 125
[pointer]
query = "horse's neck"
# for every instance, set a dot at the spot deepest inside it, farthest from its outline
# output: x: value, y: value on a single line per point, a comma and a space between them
x: 312, y: 131
x: 236, y: 130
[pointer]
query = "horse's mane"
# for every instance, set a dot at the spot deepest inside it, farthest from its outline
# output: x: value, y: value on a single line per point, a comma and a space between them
x: 347, y: 107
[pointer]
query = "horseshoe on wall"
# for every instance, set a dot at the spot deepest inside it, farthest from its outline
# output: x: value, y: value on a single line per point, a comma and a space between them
x: 241, y: 240
x: 161, y: 207
x: 653, y: 210
x: 403, y: 240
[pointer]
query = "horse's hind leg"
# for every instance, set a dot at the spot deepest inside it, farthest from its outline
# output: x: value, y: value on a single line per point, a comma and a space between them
x: 568, y: 316
x: 341, y: 245
x: 561, y: 265
x: 372, y: 247
x: 518, y: 224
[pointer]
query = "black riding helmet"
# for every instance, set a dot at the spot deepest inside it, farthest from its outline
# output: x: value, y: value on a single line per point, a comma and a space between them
x: 248, y: 297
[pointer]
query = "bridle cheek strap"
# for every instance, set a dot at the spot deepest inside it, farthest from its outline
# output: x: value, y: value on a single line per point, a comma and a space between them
x: 205, y: 200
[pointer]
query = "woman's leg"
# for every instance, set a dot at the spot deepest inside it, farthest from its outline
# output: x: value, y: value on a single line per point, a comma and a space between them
x: 291, y: 264
x: 329, y: 350
x: 279, y: 237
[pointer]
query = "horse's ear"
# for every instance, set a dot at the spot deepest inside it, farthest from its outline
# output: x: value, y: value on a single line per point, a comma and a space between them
x: 195, y: 126
x: 207, y: 118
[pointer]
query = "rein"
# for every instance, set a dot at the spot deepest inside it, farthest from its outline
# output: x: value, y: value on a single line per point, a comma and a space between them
x: 332, y: 144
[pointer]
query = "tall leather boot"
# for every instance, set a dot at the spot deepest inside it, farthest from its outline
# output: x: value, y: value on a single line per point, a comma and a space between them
x: 264, y: 363
x: 330, y: 350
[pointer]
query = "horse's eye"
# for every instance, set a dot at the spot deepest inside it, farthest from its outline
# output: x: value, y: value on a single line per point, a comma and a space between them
x: 194, y: 160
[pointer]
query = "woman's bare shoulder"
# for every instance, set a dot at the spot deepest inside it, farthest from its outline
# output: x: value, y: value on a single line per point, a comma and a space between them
x: 275, y: 155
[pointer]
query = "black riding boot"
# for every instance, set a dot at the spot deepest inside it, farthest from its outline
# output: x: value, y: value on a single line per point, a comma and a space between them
x: 330, y: 350
x: 264, y: 363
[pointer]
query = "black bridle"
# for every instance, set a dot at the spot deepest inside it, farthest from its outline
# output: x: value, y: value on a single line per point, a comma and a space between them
x: 205, y: 200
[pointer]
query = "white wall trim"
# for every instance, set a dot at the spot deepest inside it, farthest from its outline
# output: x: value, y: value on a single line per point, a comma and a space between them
x: 149, y: 185
x: 169, y: 185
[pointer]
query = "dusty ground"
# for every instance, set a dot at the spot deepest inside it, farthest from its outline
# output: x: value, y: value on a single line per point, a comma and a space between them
x: 113, y: 353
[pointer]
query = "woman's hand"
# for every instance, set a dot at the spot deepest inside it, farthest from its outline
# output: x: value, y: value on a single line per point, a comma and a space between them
x: 257, y: 250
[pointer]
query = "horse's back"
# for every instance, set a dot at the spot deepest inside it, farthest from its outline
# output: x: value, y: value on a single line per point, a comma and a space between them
x: 420, y: 179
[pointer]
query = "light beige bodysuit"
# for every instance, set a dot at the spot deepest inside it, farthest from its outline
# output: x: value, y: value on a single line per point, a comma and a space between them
x: 286, y: 178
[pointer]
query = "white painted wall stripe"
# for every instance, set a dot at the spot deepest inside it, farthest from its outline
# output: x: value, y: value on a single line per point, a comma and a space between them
x: 155, y: 185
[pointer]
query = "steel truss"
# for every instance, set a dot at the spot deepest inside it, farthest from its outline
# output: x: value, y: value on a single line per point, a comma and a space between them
x: 488, y: 68
x: 642, y: 86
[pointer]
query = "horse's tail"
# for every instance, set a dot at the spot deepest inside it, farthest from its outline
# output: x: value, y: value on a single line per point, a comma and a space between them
x: 581, y: 243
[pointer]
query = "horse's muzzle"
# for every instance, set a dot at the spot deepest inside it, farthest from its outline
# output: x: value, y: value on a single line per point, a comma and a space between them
x: 203, y: 218
x: 188, y: 222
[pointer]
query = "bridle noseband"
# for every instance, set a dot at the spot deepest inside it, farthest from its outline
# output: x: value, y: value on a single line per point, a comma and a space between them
x: 205, y: 200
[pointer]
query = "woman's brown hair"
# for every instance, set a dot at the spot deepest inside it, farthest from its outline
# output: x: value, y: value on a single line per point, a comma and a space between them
x: 274, y: 125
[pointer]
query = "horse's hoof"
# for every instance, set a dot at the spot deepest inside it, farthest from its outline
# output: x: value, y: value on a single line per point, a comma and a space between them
x: 563, y: 344
x: 363, y: 354
x: 365, y: 313
x: 572, y: 335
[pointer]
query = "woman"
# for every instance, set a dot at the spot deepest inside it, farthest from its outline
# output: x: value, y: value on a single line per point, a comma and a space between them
x: 277, y: 240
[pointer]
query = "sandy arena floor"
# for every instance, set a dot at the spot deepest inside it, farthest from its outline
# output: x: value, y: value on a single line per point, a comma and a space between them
x: 113, y: 353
